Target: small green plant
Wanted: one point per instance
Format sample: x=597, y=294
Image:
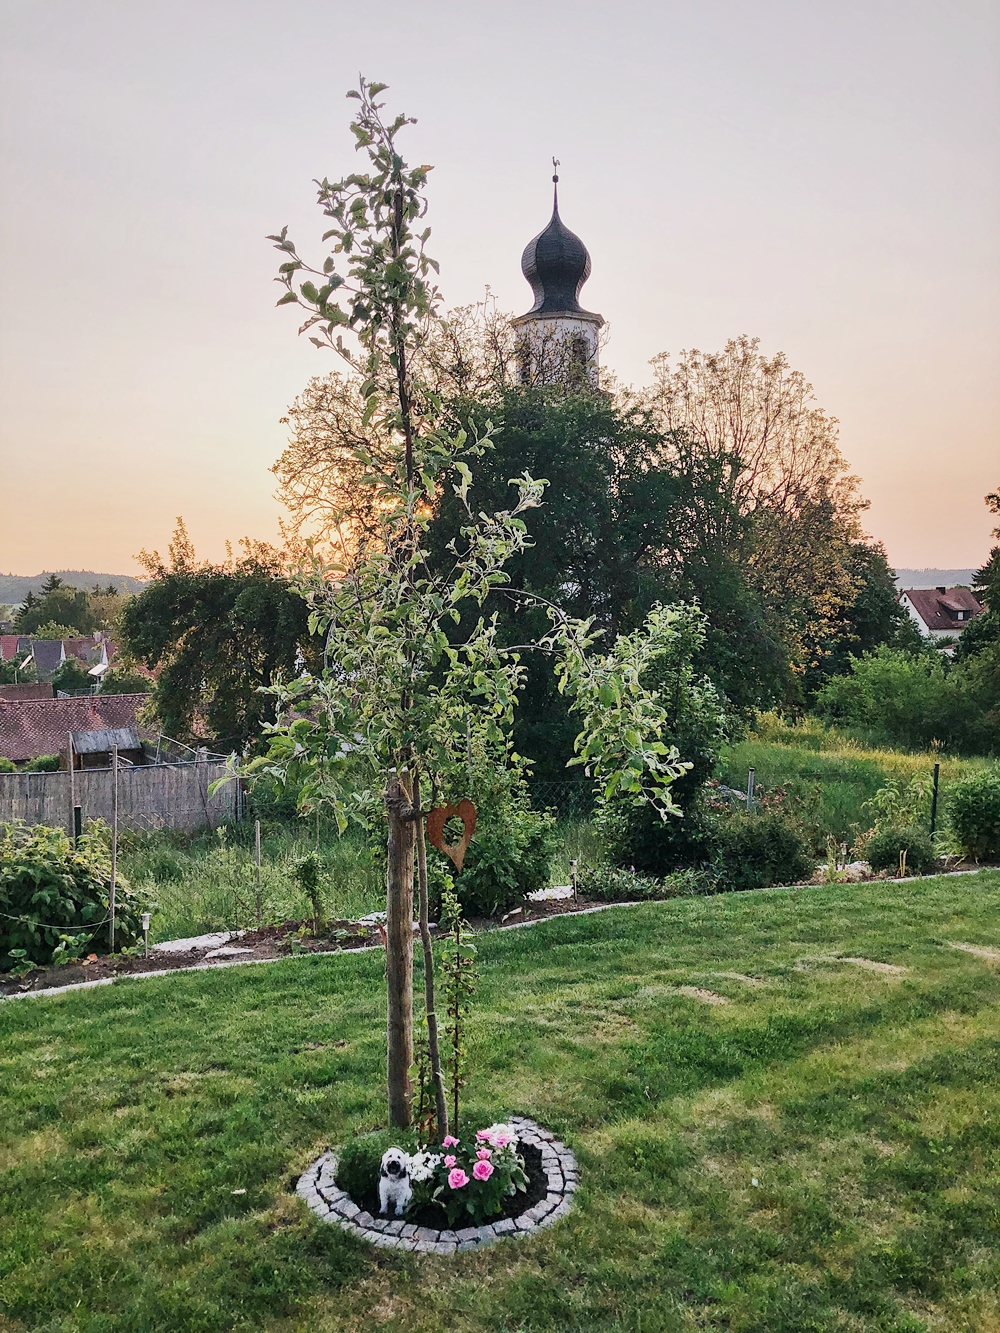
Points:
x=894, y=806
x=886, y=846
x=974, y=813
x=307, y=875
x=458, y=982
x=613, y=884
x=7, y=765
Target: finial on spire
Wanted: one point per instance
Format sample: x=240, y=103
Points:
x=555, y=184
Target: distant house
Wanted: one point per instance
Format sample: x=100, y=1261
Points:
x=33, y=727
x=940, y=613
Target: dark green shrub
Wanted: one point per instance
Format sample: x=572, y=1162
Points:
x=883, y=848
x=613, y=884
x=754, y=851
x=45, y=763
x=974, y=813
x=48, y=888
x=7, y=765
x=359, y=1160
x=636, y=836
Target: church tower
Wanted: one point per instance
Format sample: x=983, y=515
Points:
x=557, y=338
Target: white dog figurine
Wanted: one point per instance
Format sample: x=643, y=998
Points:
x=394, y=1181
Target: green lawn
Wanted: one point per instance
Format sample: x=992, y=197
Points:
x=864, y=1101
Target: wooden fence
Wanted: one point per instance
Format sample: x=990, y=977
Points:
x=150, y=796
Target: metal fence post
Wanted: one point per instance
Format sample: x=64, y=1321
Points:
x=750, y=785
x=114, y=840
x=256, y=857
x=72, y=790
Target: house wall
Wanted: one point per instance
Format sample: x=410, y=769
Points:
x=154, y=796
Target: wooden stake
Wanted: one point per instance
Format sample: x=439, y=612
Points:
x=437, y=1073
x=399, y=944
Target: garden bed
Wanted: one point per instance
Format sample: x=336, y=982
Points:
x=552, y=1180
x=271, y=942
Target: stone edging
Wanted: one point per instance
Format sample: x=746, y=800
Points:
x=317, y=1186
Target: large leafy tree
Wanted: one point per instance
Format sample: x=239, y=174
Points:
x=214, y=636
x=623, y=526
x=60, y=604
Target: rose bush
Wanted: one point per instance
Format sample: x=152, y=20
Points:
x=469, y=1179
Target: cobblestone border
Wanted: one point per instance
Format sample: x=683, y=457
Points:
x=318, y=1187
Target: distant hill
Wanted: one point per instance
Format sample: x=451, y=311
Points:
x=933, y=578
x=15, y=587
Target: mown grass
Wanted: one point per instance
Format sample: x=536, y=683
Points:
x=865, y=1103
x=831, y=775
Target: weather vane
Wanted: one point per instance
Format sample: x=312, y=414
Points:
x=555, y=168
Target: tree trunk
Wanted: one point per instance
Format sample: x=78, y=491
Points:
x=399, y=945
x=437, y=1074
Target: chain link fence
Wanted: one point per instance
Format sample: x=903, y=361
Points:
x=568, y=799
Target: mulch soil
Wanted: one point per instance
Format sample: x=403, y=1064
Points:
x=282, y=941
x=433, y=1216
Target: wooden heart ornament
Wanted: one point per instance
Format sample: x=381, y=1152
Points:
x=436, y=820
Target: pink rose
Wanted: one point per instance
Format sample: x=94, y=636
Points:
x=449, y=1160
x=449, y=1142
x=482, y=1153
x=483, y=1135
x=458, y=1178
x=483, y=1169
x=501, y=1140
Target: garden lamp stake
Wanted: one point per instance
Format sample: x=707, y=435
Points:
x=572, y=875
x=145, y=931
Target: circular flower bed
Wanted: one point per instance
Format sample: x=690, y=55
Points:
x=318, y=1187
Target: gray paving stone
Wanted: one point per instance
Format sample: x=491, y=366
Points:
x=424, y=1246
x=523, y=1224
x=378, y=1224
x=444, y=1247
x=426, y=1234
x=348, y=1208
x=394, y=1228
x=408, y=1230
x=466, y=1233
x=467, y=1245
x=504, y=1227
x=364, y=1219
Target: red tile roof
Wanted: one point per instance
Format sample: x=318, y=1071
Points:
x=933, y=604
x=8, y=646
x=32, y=727
x=41, y=690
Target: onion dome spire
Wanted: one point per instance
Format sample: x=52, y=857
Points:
x=556, y=264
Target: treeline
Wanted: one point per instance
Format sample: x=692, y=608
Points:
x=720, y=484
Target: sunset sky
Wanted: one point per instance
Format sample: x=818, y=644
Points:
x=823, y=176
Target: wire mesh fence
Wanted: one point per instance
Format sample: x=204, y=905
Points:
x=568, y=799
